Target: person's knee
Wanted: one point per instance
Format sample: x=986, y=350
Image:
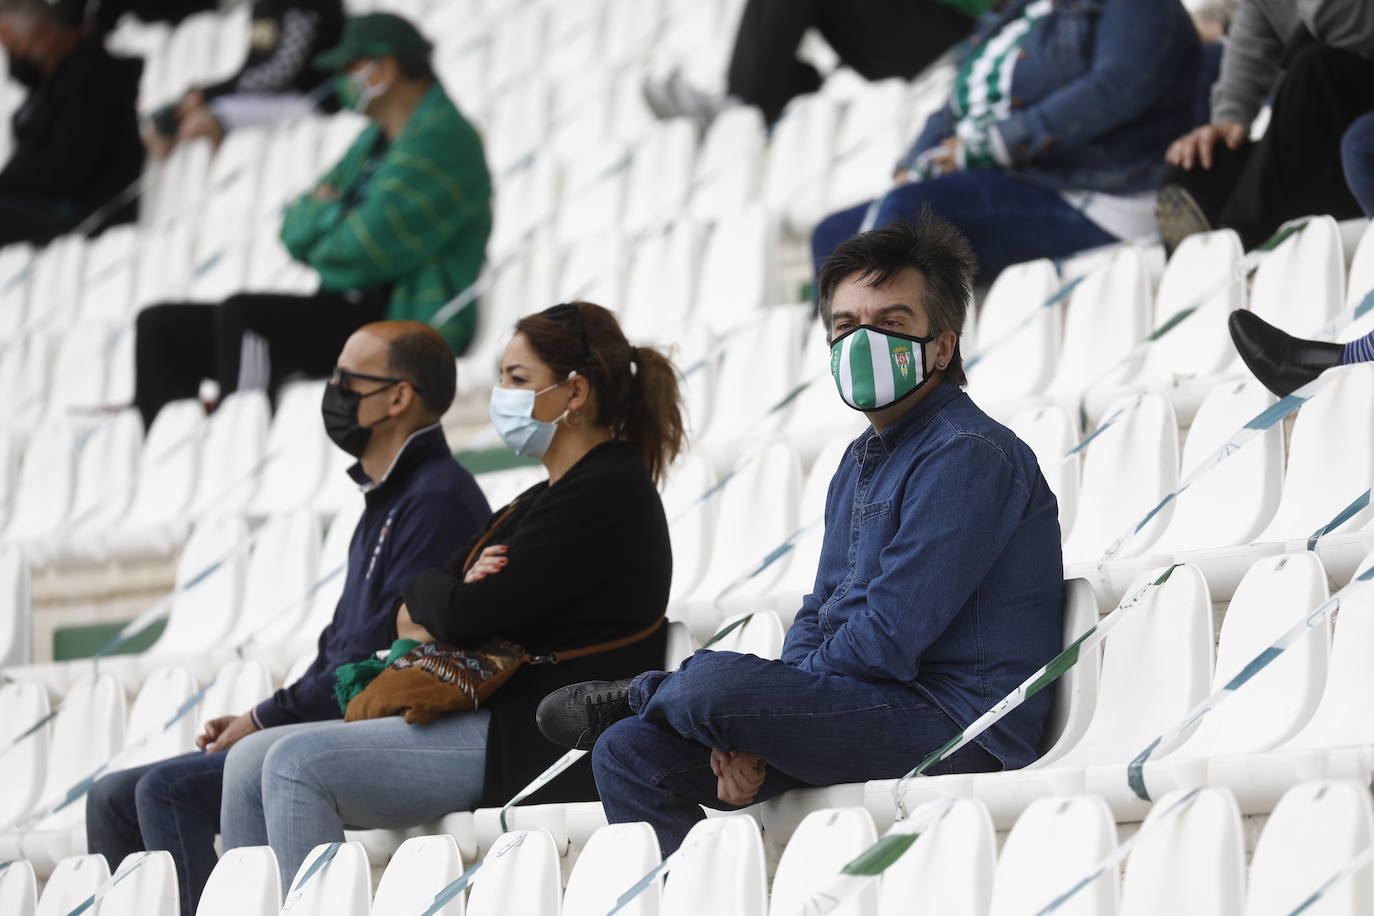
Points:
x=833, y=230
x=154, y=789
x=1357, y=144
x=622, y=750
x=109, y=796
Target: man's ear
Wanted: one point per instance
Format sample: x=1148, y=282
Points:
x=402, y=396
x=944, y=349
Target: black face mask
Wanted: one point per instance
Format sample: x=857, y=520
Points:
x=340, y=410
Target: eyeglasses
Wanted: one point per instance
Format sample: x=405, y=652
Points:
x=566, y=310
x=341, y=375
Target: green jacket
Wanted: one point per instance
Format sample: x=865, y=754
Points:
x=419, y=220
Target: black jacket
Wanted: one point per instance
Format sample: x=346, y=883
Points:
x=76, y=140
x=590, y=562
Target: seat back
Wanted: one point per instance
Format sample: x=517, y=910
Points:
x=949, y=868
x=145, y=884
x=817, y=415
x=690, y=520
x=798, y=161
x=152, y=734
x=758, y=370
x=1051, y=431
x=1156, y=665
x=107, y=472
x=1231, y=506
x=44, y=493
x=18, y=889
x=614, y=859
x=1075, y=693
x=729, y=165
x=660, y=176
x=281, y=570
x=340, y=885
x=421, y=867
x=238, y=687
x=301, y=451
x=1018, y=357
x=1330, y=458
x=823, y=844
x=22, y=766
x=723, y=873
x=1343, y=717
x=1193, y=862
x=333, y=562
x=1300, y=284
x=246, y=882
x=1127, y=469
x=1203, y=263
x=758, y=633
x=1278, y=701
x=170, y=463
x=1108, y=313
x=16, y=611
x=519, y=875
x=234, y=455
x=210, y=574
x=1315, y=828
x=736, y=268
x=87, y=733
x=71, y=882
x=1056, y=842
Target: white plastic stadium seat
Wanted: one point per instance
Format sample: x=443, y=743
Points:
x=238, y=687
x=1051, y=432
x=1192, y=863
x=759, y=633
x=736, y=270
x=145, y=884
x=301, y=448
x=724, y=872
x=167, y=476
x=817, y=414
x=661, y=285
x=16, y=612
x=281, y=571
x=824, y=843
x=72, y=881
x=18, y=889
x=1016, y=356
x=1300, y=284
x=421, y=868
x=245, y=882
x=689, y=520
x=154, y=731
x=519, y=875
x=614, y=859
x=949, y=868
x=44, y=492
x=234, y=455
x=1273, y=706
x=1330, y=462
x=22, y=765
x=342, y=886
x=799, y=159
x=1316, y=828
x=88, y=731
x=106, y=477
x=661, y=176
x=1053, y=845
x=729, y=166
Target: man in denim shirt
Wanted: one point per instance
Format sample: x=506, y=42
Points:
x=939, y=587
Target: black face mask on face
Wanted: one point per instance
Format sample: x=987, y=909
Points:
x=339, y=408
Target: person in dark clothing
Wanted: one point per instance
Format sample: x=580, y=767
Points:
x=394, y=380
x=575, y=561
x=76, y=147
x=1320, y=53
x=104, y=15
x=938, y=590
x=876, y=38
x=278, y=79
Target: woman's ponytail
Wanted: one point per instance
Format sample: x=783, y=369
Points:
x=653, y=411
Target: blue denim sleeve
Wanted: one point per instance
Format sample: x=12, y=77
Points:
x=938, y=126
x=955, y=518
x=1137, y=47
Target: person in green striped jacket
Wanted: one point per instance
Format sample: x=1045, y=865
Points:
x=395, y=230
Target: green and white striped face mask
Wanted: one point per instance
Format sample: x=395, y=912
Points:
x=874, y=369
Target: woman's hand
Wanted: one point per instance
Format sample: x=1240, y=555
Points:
x=491, y=561
x=1195, y=147
x=739, y=775
x=409, y=629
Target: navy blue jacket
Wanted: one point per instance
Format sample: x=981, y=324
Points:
x=940, y=569
x=1101, y=88
x=422, y=510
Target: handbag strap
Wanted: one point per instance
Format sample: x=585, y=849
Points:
x=553, y=658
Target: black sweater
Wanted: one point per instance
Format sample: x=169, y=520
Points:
x=590, y=562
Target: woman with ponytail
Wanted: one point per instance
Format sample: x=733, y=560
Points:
x=580, y=561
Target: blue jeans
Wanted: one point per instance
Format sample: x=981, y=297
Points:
x=1007, y=220
x=297, y=786
x=172, y=805
x=811, y=729
x=1357, y=161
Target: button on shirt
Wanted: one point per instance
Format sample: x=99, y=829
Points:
x=940, y=569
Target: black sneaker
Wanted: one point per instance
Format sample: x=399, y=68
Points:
x=576, y=715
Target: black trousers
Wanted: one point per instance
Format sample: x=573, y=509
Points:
x=1295, y=170
x=177, y=346
x=876, y=38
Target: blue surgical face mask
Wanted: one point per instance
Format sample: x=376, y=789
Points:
x=512, y=413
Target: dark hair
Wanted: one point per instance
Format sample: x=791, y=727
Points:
x=424, y=359
x=637, y=394
x=932, y=246
x=415, y=68
x=36, y=11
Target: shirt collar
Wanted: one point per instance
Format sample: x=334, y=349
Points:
x=913, y=420
x=418, y=446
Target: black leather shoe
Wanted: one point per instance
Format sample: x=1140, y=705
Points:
x=1283, y=363
x=576, y=715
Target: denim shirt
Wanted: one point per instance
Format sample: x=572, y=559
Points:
x=1100, y=89
x=940, y=569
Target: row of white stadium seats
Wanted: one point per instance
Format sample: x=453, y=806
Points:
x=1061, y=856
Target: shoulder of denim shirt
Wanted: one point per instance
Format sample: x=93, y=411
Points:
x=964, y=423
x=916, y=419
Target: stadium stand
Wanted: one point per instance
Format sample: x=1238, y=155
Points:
x=1115, y=367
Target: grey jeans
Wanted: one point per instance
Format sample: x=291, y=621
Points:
x=297, y=786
